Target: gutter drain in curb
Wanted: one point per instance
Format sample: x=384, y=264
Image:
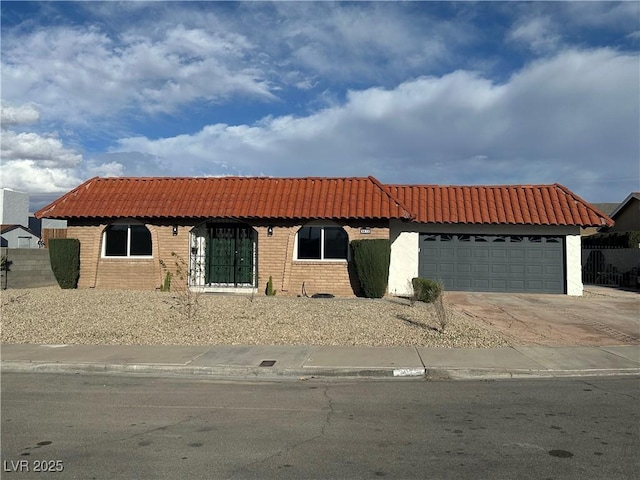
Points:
x=267, y=363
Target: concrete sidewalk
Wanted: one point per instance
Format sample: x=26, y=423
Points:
x=317, y=361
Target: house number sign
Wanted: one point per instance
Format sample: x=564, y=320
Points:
x=365, y=231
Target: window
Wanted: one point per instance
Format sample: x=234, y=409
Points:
x=322, y=243
x=127, y=241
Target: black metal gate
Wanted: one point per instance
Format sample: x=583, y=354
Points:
x=230, y=255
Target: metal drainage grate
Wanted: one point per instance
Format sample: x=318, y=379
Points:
x=267, y=363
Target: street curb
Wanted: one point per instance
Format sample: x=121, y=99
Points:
x=219, y=371
x=429, y=374
x=502, y=374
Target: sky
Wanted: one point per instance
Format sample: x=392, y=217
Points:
x=409, y=92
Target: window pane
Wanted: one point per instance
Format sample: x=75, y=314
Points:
x=336, y=243
x=116, y=241
x=309, y=243
x=140, y=240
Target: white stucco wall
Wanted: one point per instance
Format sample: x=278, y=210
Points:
x=404, y=262
x=573, y=257
x=14, y=207
x=405, y=242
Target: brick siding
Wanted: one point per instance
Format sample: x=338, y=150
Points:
x=275, y=259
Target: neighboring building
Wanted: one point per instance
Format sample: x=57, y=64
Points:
x=627, y=214
x=232, y=234
x=14, y=208
x=14, y=221
x=605, y=208
x=17, y=236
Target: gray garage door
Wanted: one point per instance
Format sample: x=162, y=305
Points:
x=494, y=263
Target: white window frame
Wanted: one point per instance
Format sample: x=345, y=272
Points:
x=128, y=256
x=322, y=226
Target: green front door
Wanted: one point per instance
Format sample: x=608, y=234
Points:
x=230, y=255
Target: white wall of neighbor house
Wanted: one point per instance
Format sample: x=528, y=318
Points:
x=20, y=238
x=14, y=207
x=405, y=239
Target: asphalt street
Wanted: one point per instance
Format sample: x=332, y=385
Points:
x=116, y=426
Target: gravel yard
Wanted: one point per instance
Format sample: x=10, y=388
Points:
x=54, y=316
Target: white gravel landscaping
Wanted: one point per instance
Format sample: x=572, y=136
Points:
x=54, y=316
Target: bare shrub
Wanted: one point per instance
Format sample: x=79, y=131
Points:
x=442, y=309
x=186, y=299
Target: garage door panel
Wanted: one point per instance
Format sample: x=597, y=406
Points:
x=553, y=255
x=448, y=252
x=463, y=268
x=553, y=270
x=494, y=263
x=480, y=268
x=499, y=284
x=516, y=269
x=446, y=268
x=499, y=253
x=534, y=269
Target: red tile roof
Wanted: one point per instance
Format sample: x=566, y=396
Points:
x=227, y=197
x=507, y=204
x=323, y=198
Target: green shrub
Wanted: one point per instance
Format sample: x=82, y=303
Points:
x=371, y=260
x=426, y=290
x=64, y=254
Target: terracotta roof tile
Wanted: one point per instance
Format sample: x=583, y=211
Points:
x=323, y=198
x=508, y=204
x=227, y=197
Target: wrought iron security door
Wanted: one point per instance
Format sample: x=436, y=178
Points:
x=230, y=255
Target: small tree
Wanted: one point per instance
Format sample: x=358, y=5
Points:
x=64, y=255
x=371, y=259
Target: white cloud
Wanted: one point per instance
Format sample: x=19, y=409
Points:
x=557, y=120
x=410, y=115
x=33, y=177
x=538, y=33
x=177, y=56
x=23, y=114
x=83, y=72
x=611, y=15
x=33, y=163
x=348, y=42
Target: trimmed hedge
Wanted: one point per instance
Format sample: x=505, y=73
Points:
x=64, y=254
x=426, y=290
x=614, y=239
x=371, y=260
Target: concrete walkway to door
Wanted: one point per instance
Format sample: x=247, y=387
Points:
x=603, y=316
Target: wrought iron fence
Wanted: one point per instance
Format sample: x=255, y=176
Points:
x=611, y=266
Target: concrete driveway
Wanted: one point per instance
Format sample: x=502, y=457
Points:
x=603, y=316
